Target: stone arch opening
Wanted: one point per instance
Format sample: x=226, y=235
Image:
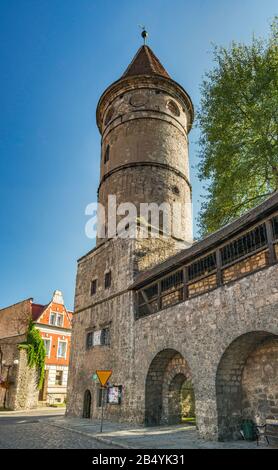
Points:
x=166, y=390
x=246, y=380
x=87, y=404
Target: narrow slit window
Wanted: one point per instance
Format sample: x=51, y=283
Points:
x=107, y=154
x=93, y=287
x=107, y=280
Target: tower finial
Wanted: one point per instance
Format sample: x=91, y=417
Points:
x=144, y=34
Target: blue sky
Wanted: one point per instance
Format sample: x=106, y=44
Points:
x=56, y=58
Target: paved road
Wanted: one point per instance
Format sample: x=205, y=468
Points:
x=27, y=432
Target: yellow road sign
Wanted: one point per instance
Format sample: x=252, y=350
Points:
x=103, y=376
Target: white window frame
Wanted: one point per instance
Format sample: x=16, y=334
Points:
x=52, y=313
x=56, y=319
x=66, y=350
x=62, y=322
x=50, y=341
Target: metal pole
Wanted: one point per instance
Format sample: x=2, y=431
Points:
x=102, y=408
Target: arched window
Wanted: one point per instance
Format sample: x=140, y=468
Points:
x=107, y=154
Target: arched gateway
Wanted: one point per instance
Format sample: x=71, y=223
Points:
x=247, y=382
x=169, y=394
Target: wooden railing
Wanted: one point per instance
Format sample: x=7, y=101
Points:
x=250, y=251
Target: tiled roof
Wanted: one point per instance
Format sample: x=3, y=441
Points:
x=145, y=62
x=250, y=217
x=37, y=310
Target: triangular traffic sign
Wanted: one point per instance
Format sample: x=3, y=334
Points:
x=103, y=376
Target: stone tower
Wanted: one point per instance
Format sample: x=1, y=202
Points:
x=144, y=119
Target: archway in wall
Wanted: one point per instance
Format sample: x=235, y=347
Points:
x=87, y=404
x=169, y=395
x=246, y=380
x=181, y=400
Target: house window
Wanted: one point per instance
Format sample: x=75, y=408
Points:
x=107, y=154
x=89, y=340
x=107, y=280
x=56, y=319
x=62, y=349
x=93, y=287
x=47, y=346
x=59, y=377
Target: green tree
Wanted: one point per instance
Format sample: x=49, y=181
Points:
x=238, y=120
x=35, y=351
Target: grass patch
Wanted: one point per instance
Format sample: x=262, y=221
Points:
x=191, y=420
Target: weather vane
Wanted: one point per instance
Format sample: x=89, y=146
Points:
x=144, y=33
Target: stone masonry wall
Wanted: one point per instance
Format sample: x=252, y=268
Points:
x=113, y=308
x=144, y=125
x=14, y=319
x=201, y=329
x=260, y=382
x=22, y=392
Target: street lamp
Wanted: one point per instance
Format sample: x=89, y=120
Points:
x=4, y=364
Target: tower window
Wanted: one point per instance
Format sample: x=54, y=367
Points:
x=107, y=154
x=107, y=280
x=173, y=108
x=105, y=337
x=89, y=340
x=176, y=190
x=93, y=287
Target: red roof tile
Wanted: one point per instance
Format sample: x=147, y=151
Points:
x=145, y=62
x=37, y=310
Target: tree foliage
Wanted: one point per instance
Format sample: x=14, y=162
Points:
x=35, y=351
x=238, y=120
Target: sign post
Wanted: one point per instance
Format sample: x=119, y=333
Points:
x=103, y=377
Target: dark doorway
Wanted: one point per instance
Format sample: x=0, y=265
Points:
x=87, y=404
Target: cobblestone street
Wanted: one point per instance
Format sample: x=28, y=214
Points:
x=47, y=429
x=27, y=432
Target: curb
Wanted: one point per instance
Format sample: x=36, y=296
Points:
x=93, y=436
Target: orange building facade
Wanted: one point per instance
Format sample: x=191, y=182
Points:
x=54, y=323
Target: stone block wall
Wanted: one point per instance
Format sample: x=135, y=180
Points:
x=26, y=393
x=260, y=382
x=202, y=329
x=22, y=392
x=15, y=319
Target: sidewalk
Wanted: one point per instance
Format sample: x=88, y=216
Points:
x=46, y=410
x=139, y=437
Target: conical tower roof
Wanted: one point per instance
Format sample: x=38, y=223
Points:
x=145, y=62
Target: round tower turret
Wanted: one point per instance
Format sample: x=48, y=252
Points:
x=144, y=119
